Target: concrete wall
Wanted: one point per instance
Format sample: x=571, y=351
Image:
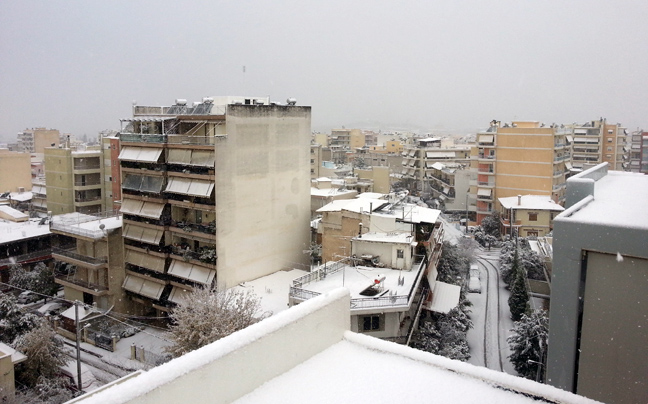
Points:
x=571, y=276
x=15, y=171
x=7, y=378
x=59, y=180
x=262, y=192
x=238, y=364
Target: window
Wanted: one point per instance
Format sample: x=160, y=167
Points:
x=374, y=322
x=400, y=254
x=609, y=148
x=533, y=216
x=609, y=140
x=312, y=161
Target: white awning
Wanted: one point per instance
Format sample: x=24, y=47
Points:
x=404, y=162
x=586, y=140
x=152, y=210
x=438, y=166
x=445, y=297
x=192, y=272
x=203, y=158
x=188, y=186
x=143, y=286
x=140, y=233
x=439, y=154
x=568, y=165
x=446, y=190
x=405, y=171
x=42, y=203
x=570, y=139
x=412, y=152
x=143, y=260
x=39, y=189
x=131, y=206
x=484, y=192
x=179, y=156
x=442, y=197
x=178, y=295
x=144, y=154
x=580, y=131
x=486, y=139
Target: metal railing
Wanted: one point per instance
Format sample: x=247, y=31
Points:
x=169, y=139
x=72, y=254
x=44, y=254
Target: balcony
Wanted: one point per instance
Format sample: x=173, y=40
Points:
x=72, y=257
x=170, y=139
x=485, y=170
x=183, y=227
x=72, y=282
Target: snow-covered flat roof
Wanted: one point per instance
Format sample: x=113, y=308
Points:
x=13, y=213
x=535, y=202
x=360, y=369
x=21, y=196
x=358, y=278
x=14, y=231
x=330, y=192
x=86, y=225
x=272, y=289
x=371, y=195
x=353, y=205
x=620, y=200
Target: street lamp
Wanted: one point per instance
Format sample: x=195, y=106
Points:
x=539, y=367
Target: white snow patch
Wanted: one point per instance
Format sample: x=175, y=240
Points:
x=619, y=257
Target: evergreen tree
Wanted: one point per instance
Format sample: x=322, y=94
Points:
x=528, y=343
x=509, y=272
x=519, y=299
x=13, y=322
x=45, y=354
x=208, y=315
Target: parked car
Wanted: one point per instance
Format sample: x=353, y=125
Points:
x=27, y=297
x=474, y=285
x=474, y=271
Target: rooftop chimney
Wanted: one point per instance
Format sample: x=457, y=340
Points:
x=519, y=200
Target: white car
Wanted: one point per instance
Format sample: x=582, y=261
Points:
x=51, y=309
x=27, y=297
x=474, y=285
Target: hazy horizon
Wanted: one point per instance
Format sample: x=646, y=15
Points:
x=437, y=66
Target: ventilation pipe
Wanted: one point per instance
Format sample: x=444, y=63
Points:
x=519, y=200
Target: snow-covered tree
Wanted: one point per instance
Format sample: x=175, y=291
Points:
x=519, y=299
x=46, y=391
x=13, y=321
x=528, y=343
x=452, y=264
x=39, y=280
x=209, y=315
x=445, y=334
x=491, y=224
x=45, y=354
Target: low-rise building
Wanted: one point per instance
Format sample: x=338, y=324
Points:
x=23, y=242
x=528, y=215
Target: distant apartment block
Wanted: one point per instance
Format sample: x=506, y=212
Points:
x=596, y=142
x=22, y=241
x=213, y=194
x=348, y=139
x=35, y=140
x=520, y=158
x=112, y=175
x=637, y=152
x=15, y=171
x=74, y=179
x=39, y=197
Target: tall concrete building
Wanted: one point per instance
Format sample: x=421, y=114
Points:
x=521, y=158
x=74, y=179
x=35, y=140
x=636, y=152
x=213, y=194
x=597, y=142
x=598, y=327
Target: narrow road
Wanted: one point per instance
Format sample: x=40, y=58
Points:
x=490, y=286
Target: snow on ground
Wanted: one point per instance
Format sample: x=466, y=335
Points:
x=273, y=289
x=452, y=231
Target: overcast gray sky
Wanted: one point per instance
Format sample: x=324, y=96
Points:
x=77, y=66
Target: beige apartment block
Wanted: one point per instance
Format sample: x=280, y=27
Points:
x=213, y=195
x=90, y=247
x=521, y=158
x=530, y=215
x=35, y=140
x=15, y=171
x=634, y=148
x=315, y=160
x=347, y=138
x=595, y=142
x=74, y=180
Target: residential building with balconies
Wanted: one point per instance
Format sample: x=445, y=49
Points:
x=90, y=259
x=74, y=179
x=635, y=150
x=213, y=195
x=520, y=158
x=35, y=140
x=388, y=256
x=23, y=241
x=39, y=196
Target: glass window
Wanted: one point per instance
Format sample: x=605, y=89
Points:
x=400, y=254
x=533, y=216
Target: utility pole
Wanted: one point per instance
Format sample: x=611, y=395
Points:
x=466, y=214
x=78, y=344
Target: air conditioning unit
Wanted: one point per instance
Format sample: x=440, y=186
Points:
x=21, y=190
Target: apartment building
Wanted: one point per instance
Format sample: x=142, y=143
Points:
x=213, y=194
x=596, y=142
x=644, y=153
x=315, y=160
x=389, y=264
x=22, y=241
x=90, y=259
x=74, y=179
x=15, y=171
x=635, y=151
x=39, y=197
x=420, y=156
x=348, y=139
x=597, y=324
x=520, y=158
x=449, y=185
x=112, y=176
x=35, y=140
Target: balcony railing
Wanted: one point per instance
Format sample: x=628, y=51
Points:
x=73, y=255
x=89, y=287
x=86, y=183
x=187, y=227
x=87, y=166
x=169, y=139
x=87, y=198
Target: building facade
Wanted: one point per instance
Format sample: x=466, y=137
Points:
x=15, y=169
x=35, y=140
x=213, y=195
x=597, y=325
x=518, y=159
x=528, y=215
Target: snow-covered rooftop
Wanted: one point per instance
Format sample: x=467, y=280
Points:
x=371, y=195
x=619, y=200
x=14, y=231
x=86, y=225
x=12, y=213
x=21, y=196
x=331, y=192
x=353, y=205
x=272, y=289
x=535, y=202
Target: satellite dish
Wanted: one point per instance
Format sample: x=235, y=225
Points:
x=102, y=226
